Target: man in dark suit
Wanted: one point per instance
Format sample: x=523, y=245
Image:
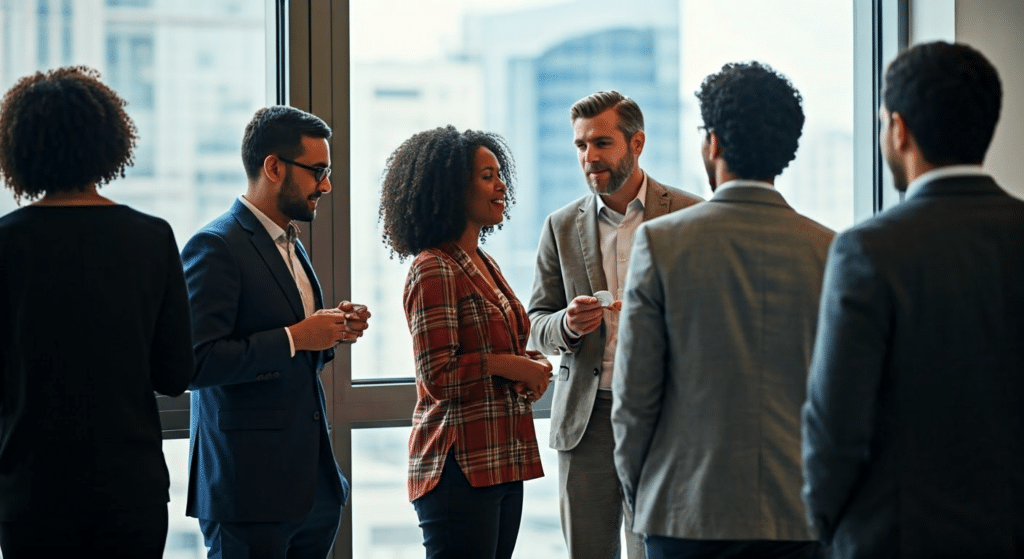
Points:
x=584, y=249
x=717, y=328
x=263, y=481
x=913, y=430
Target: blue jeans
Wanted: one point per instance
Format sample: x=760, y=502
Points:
x=460, y=521
x=661, y=547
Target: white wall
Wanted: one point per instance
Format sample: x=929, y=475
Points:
x=996, y=28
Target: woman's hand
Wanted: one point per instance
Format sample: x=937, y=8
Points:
x=531, y=372
x=536, y=377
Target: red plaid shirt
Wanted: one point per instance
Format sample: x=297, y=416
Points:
x=456, y=319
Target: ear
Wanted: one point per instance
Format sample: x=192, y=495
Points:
x=636, y=143
x=273, y=169
x=900, y=132
x=715, y=148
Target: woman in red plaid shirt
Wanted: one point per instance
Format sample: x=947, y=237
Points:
x=472, y=441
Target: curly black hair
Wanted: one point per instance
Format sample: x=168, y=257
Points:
x=61, y=131
x=950, y=97
x=425, y=184
x=757, y=115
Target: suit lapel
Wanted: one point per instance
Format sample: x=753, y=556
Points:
x=589, y=240
x=271, y=256
x=657, y=202
x=474, y=274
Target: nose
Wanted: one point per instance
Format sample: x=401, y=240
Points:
x=589, y=155
x=325, y=185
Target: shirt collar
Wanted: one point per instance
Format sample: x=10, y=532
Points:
x=641, y=195
x=745, y=182
x=274, y=230
x=944, y=173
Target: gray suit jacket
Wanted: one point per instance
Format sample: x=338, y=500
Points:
x=913, y=430
x=715, y=337
x=569, y=265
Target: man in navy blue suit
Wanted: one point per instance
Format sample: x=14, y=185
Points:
x=263, y=481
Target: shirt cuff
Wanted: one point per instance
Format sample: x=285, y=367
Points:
x=291, y=342
x=571, y=338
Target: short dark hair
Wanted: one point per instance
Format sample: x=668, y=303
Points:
x=631, y=119
x=63, y=130
x=949, y=95
x=757, y=115
x=426, y=181
x=278, y=130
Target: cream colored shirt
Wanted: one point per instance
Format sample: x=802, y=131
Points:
x=616, y=232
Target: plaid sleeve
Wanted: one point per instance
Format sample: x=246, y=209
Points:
x=443, y=368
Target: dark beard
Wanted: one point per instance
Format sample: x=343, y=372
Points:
x=291, y=202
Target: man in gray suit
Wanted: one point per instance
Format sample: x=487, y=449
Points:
x=584, y=249
x=913, y=427
x=717, y=326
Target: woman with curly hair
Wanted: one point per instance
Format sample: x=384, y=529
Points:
x=93, y=319
x=472, y=441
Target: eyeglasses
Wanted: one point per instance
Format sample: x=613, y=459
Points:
x=704, y=131
x=319, y=173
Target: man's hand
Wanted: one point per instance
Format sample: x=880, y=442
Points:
x=320, y=331
x=356, y=317
x=583, y=315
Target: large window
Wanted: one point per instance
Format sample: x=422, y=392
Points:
x=516, y=71
x=193, y=73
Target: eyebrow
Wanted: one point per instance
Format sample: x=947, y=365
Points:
x=593, y=139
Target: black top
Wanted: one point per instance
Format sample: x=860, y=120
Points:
x=93, y=318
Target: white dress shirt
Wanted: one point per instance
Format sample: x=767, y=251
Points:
x=944, y=172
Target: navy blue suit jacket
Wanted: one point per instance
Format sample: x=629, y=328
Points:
x=913, y=435
x=258, y=417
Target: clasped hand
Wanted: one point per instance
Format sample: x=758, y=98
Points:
x=537, y=377
x=328, y=327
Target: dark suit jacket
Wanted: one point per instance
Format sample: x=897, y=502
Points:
x=569, y=265
x=258, y=418
x=913, y=431
x=93, y=319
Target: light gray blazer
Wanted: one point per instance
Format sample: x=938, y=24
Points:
x=569, y=265
x=715, y=338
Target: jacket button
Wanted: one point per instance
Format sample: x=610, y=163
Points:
x=596, y=372
x=316, y=415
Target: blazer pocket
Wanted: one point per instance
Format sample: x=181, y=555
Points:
x=235, y=420
x=563, y=372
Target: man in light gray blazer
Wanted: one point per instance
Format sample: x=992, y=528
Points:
x=716, y=333
x=584, y=249
x=913, y=429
